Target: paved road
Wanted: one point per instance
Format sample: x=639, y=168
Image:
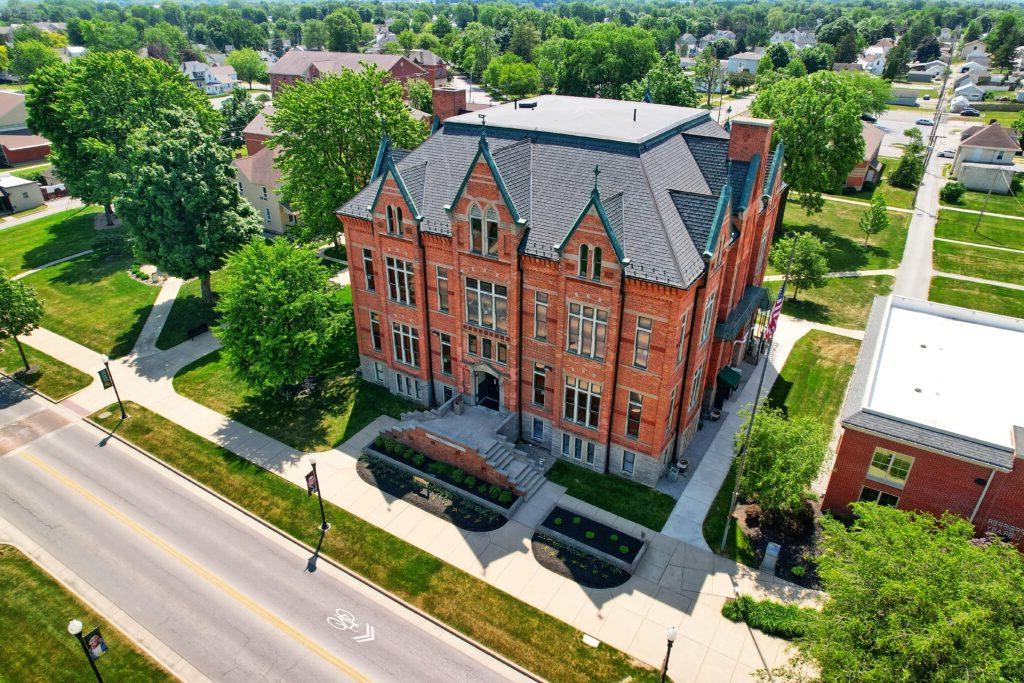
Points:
x=228, y=595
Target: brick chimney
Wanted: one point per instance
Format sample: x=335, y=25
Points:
x=748, y=137
x=448, y=102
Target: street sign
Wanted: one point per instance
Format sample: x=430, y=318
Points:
x=312, y=485
x=95, y=644
x=105, y=378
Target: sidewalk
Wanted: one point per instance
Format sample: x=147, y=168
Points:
x=839, y=273
x=676, y=584
x=55, y=206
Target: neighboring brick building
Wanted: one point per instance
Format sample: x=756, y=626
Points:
x=257, y=132
x=867, y=170
x=589, y=265
x=308, y=65
x=934, y=417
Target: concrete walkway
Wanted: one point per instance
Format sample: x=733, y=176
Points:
x=677, y=583
x=982, y=246
x=838, y=273
x=52, y=263
x=981, y=281
x=146, y=342
x=961, y=209
x=858, y=202
x=55, y=206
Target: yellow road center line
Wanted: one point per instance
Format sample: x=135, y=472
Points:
x=199, y=570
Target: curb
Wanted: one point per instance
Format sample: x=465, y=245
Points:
x=327, y=558
x=33, y=389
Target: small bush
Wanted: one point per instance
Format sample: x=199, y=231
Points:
x=558, y=521
x=773, y=618
x=590, y=535
x=482, y=489
x=799, y=570
x=493, y=492
x=417, y=459
x=469, y=482
x=624, y=549
x=436, y=468
x=505, y=498
x=576, y=520
x=952, y=192
x=457, y=475
x=378, y=443
x=408, y=453
x=614, y=537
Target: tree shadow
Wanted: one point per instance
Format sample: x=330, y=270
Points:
x=813, y=311
x=842, y=253
x=779, y=393
x=64, y=238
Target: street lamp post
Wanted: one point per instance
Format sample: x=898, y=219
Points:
x=110, y=376
x=75, y=629
x=324, y=526
x=670, y=637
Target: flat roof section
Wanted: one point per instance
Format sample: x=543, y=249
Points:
x=950, y=369
x=587, y=117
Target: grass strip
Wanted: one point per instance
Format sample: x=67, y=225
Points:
x=768, y=616
x=56, y=379
x=32, y=244
x=988, y=264
x=37, y=646
x=628, y=499
x=981, y=297
x=737, y=545
x=524, y=634
x=843, y=302
x=991, y=230
x=813, y=379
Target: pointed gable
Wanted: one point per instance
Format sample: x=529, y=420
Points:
x=484, y=152
x=597, y=206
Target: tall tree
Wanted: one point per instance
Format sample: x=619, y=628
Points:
x=667, y=83
x=896, y=62
x=29, y=56
x=329, y=132
x=910, y=170
x=88, y=107
x=875, y=219
x=512, y=77
x=315, y=34
x=928, y=49
x=605, y=59
x=915, y=598
x=280, y=314
x=238, y=110
x=818, y=117
x=708, y=72
x=180, y=202
x=248, y=65
x=809, y=269
x=421, y=94
x=20, y=311
x=1003, y=40
x=343, y=29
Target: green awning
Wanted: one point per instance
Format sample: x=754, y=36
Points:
x=730, y=376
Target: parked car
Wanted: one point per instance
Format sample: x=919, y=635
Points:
x=923, y=122
x=869, y=118
x=947, y=154
x=970, y=111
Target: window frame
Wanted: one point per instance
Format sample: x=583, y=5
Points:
x=445, y=343
x=681, y=346
x=401, y=279
x=376, y=335
x=475, y=296
x=877, y=497
x=540, y=316
x=491, y=234
x=706, y=323
x=581, y=403
x=632, y=463
x=642, y=353
x=634, y=414
x=442, y=289
x=695, y=391
x=884, y=475
x=405, y=344
x=542, y=386
x=369, y=277
x=577, y=330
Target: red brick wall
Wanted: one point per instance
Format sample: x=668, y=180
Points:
x=448, y=102
x=404, y=69
x=20, y=156
x=467, y=459
x=278, y=81
x=254, y=142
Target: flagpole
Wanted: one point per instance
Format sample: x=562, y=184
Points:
x=753, y=412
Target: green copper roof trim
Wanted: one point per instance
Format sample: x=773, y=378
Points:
x=435, y=124
x=389, y=167
x=483, y=149
x=721, y=214
x=748, y=185
x=780, y=151
x=383, y=150
x=595, y=201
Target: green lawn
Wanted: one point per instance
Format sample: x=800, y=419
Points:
x=343, y=405
x=1005, y=118
x=30, y=245
x=93, y=301
x=619, y=496
x=533, y=639
x=988, y=264
x=55, y=379
x=993, y=231
x=894, y=196
x=30, y=172
x=737, y=545
x=991, y=298
x=814, y=377
x=997, y=203
x=188, y=311
x=844, y=302
x=37, y=646
x=837, y=225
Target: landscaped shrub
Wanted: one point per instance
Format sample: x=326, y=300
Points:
x=558, y=521
x=482, y=489
x=469, y=482
x=493, y=491
x=590, y=535
x=952, y=192
x=614, y=537
x=576, y=520
x=505, y=498
x=436, y=468
x=109, y=244
x=457, y=475
x=773, y=618
x=624, y=549
x=417, y=459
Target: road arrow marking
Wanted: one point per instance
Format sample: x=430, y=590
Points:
x=366, y=637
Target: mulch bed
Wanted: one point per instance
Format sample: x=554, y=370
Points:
x=463, y=513
x=798, y=538
x=605, y=539
x=574, y=564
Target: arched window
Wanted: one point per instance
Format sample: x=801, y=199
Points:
x=391, y=220
x=398, y=228
x=492, y=232
x=597, y=263
x=584, y=261
x=476, y=229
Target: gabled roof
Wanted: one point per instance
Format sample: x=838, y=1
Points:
x=9, y=101
x=259, y=125
x=297, y=62
x=11, y=141
x=606, y=221
x=259, y=168
x=872, y=135
x=992, y=136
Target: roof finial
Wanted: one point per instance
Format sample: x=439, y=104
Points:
x=597, y=172
x=483, y=125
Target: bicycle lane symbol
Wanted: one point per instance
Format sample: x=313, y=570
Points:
x=344, y=620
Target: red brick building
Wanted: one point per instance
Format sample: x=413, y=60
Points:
x=591, y=266
x=308, y=65
x=934, y=417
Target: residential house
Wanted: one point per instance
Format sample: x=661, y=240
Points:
x=257, y=132
x=978, y=71
x=306, y=65
x=69, y=52
x=585, y=271
x=970, y=91
x=974, y=51
x=18, y=194
x=799, y=37
x=925, y=71
x=686, y=45
x=869, y=169
x=13, y=115
x=436, y=68
x=964, y=79
x=744, y=61
x=936, y=442
x=381, y=39
x=905, y=97
x=959, y=103
x=984, y=159
x=872, y=60
x=945, y=36
x=715, y=36
x=257, y=179
x=213, y=80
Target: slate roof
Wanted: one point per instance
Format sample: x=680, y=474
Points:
x=660, y=196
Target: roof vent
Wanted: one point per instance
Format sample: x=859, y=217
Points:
x=527, y=105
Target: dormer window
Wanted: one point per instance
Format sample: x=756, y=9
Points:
x=390, y=212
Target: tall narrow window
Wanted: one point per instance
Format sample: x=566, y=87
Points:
x=492, y=232
x=375, y=330
x=263, y=193
x=476, y=229
x=634, y=409
x=642, y=346
x=446, y=354
x=681, y=347
x=628, y=459
x=540, y=378
x=761, y=251
x=502, y=353
x=371, y=283
x=442, y=289
x=398, y=220
x=584, y=260
x=709, y=318
x=540, y=316
x=406, y=343
x=671, y=412
x=697, y=387
x=597, y=263
x=400, y=281
x=390, y=213
x=588, y=328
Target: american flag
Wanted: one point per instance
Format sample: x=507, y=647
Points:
x=773, y=318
